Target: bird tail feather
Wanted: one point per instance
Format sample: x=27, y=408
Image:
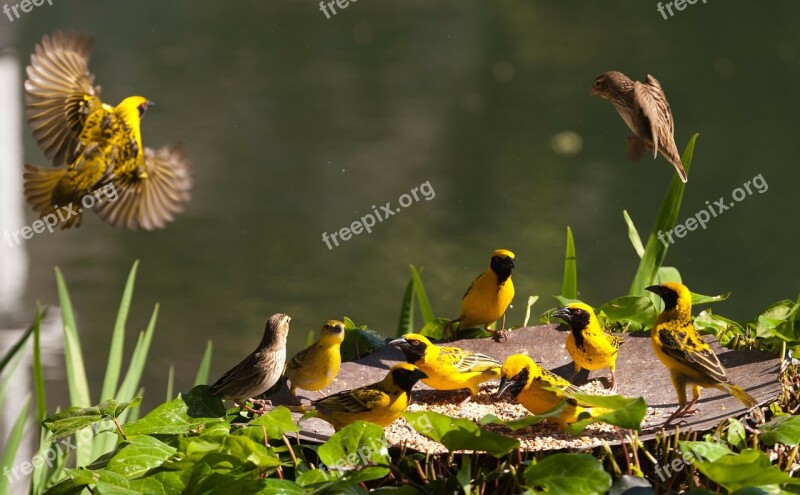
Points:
x=742, y=396
x=39, y=184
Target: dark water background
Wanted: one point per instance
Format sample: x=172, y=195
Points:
x=298, y=124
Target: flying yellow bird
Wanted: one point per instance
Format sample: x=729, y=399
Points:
x=380, y=403
x=489, y=295
x=315, y=367
x=588, y=344
x=96, y=148
x=685, y=354
x=540, y=391
x=447, y=368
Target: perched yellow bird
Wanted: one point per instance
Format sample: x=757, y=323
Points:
x=689, y=359
x=315, y=367
x=489, y=295
x=380, y=403
x=528, y=383
x=588, y=344
x=447, y=368
x=95, y=148
x=262, y=369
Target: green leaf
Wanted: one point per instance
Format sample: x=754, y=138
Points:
x=277, y=422
x=750, y=468
x=205, y=364
x=459, y=434
x=114, y=366
x=422, y=296
x=638, y=309
x=38, y=371
x=139, y=455
x=576, y=474
x=569, y=286
x=358, y=341
x=12, y=444
x=783, y=429
x=357, y=444
x=737, y=435
x=633, y=234
x=74, y=419
x=701, y=299
x=133, y=376
x=170, y=383
x=708, y=451
x=615, y=410
x=162, y=483
x=435, y=329
x=656, y=250
x=405, y=323
x=76, y=373
x=15, y=349
x=516, y=424
x=189, y=412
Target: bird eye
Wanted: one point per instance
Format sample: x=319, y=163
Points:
x=597, y=83
x=414, y=342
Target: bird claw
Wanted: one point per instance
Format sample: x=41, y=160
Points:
x=499, y=335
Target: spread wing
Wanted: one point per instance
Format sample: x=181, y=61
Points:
x=59, y=93
x=153, y=196
x=692, y=352
x=465, y=361
x=360, y=400
x=654, y=105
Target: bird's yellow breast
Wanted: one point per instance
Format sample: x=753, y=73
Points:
x=486, y=301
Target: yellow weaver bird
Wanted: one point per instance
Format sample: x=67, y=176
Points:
x=93, y=145
x=528, y=383
x=380, y=403
x=315, y=367
x=489, y=295
x=588, y=344
x=687, y=357
x=447, y=368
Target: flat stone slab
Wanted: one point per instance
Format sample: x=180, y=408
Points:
x=639, y=374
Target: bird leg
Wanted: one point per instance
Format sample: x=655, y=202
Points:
x=247, y=408
x=448, y=331
x=499, y=335
x=613, y=382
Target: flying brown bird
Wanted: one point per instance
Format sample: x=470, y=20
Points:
x=262, y=369
x=644, y=107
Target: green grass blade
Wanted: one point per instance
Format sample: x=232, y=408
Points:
x=633, y=234
x=76, y=373
x=531, y=301
x=114, y=366
x=170, y=383
x=12, y=366
x=656, y=251
x=12, y=445
x=406, y=322
x=38, y=374
x=130, y=384
x=16, y=347
x=569, y=288
x=422, y=297
x=205, y=365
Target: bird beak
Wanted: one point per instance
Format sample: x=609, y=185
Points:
x=655, y=289
x=504, y=384
x=563, y=313
x=594, y=91
x=400, y=343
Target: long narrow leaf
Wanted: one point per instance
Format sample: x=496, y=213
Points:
x=114, y=366
x=170, y=383
x=76, y=373
x=38, y=374
x=422, y=297
x=130, y=384
x=656, y=250
x=205, y=364
x=12, y=444
x=569, y=287
x=633, y=234
x=16, y=347
x=12, y=366
x=406, y=322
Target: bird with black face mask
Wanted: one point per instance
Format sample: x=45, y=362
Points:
x=686, y=355
x=589, y=345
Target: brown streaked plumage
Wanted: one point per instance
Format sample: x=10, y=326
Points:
x=262, y=369
x=644, y=107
